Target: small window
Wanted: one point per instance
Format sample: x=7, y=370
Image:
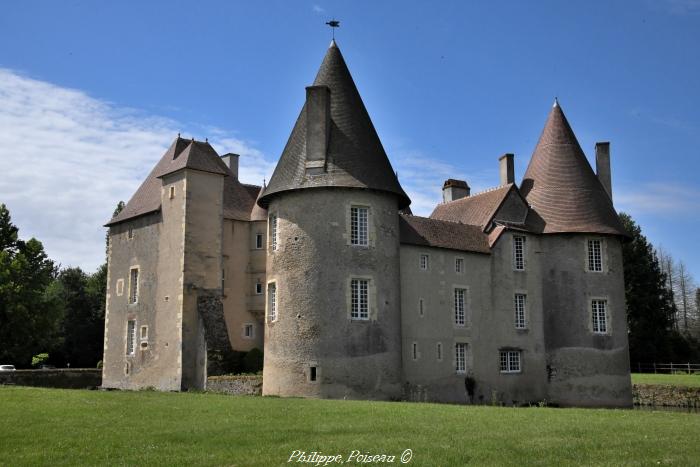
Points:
x=130, y=233
x=520, y=300
x=134, y=286
x=359, y=299
x=461, y=358
x=519, y=253
x=172, y=192
x=510, y=361
x=223, y=279
x=144, y=333
x=421, y=310
x=460, y=308
x=248, y=331
x=120, y=287
x=273, y=231
x=272, y=302
x=424, y=262
x=312, y=373
x=438, y=350
x=130, y=336
x=258, y=288
x=600, y=316
x=359, y=225
x=415, y=351
x=258, y=241
x=459, y=265
x=595, y=256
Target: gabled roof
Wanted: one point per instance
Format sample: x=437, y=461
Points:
x=423, y=231
x=477, y=209
x=355, y=156
x=561, y=187
x=239, y=199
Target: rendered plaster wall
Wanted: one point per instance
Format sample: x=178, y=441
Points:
x=312, y=268
x=584, y=368
x=429, y=376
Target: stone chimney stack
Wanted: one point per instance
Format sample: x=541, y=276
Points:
x=318, y=127
x=454, y=189
x=231, y=161
x=507, y=168
x=602, y=166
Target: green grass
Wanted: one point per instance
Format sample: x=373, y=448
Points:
x=70, y=427
x=666, y=380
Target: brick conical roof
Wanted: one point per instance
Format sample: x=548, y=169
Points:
x=355, y=156
x=561, y=187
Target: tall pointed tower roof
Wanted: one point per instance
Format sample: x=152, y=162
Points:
x=355, y=156
x=561, y=187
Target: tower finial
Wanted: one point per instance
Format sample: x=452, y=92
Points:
x=556, y=102
x=333, y=24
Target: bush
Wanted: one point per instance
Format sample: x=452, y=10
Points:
x=39, y=359
x=253, y=361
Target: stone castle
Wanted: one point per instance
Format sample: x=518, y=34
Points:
x=513, y=295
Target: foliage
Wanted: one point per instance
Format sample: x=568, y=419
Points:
x=39, y=359
x=253, y=361
x=76, y=427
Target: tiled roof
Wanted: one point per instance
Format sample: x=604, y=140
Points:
x=561, y=187
x=477, y=209
x=355, y=156
x=239, y=199
x=423, y=231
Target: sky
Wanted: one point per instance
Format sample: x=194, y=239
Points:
x=92, y=93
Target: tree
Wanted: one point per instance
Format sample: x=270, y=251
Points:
x=8, y=232
x=650, y=306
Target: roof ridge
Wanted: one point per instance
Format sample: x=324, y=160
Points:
x=483, y=192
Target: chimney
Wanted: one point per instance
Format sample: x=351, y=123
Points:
x=318, y=119
x=231, y=161
x=454, y=189
x=602, y=166
x=507, y=168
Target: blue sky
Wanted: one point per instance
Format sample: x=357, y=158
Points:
x=91, y=93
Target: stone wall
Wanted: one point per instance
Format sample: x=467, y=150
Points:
x=666, y=396
x=78, y=378
x=240, y=385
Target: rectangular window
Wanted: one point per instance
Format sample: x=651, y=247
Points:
x=595, y=256
x=248, y=331
x=519, y=253
x=415, y=351
x=510, y=361
x=600, y=317
x=144, y=333
x=223, y=279
x=460, y=299
x=130, y=336
x=459, y=265
x=172, y=192
x=258, y=288
x=312, y=373
x=461, y=358
x=258, y=241
x=424, y=262
x=273, y=231
x=120, y=287
x=359, y=225
x=134, y=286
x=359, y=298
x=420, y=307
x=271, y=301
x=438, y=350
x=130, y=233
x=520, y=300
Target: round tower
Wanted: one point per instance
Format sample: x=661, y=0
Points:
x=580, y=262
x=333, y=293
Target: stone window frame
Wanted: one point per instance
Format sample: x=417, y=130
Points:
x=523, y=260
x=438, y=351
x=309, y=373
x=421, y=266
x=606, y=315
x=460, y=358
x=506, y=362
x=421, y=307
x=415, y=354
x=459, y=265
x=258, y=286
x=130, y=337
x=356, y=233
x=273, y=231
x=130, y=233
x=525, y=320
x=133, y=297
x=272, y=307
x=588, y=255
x=371, y=298
x=466, y=305
x=245, y=327
x=120, y=287
x=259, y=241
x=143, y=337
x=171, y=192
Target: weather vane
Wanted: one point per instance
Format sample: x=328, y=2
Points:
x=333, y=24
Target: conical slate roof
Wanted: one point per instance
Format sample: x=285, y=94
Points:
x=561, y=187
x=355, y=157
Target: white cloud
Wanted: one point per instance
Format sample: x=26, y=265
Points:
x=317, y=9
x=67, y=158
x=658, y=198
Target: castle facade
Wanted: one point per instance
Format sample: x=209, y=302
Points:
x=512, y=295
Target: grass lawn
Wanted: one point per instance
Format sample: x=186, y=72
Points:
x=71, y=427
x=666, y=380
